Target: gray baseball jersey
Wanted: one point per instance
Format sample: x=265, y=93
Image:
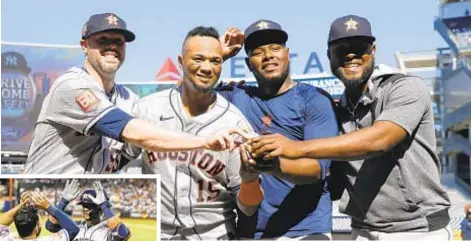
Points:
x=62, y=141
x=7, y=235
x=98, y=232
x=197, y=202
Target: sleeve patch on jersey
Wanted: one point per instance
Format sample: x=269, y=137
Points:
x=87, y=100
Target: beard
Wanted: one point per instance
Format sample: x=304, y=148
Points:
x=104, y=65
x=355, y=82
x=109, y=66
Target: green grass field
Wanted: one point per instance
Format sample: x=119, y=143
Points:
x=141, y=229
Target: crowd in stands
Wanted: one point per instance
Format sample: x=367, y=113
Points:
x=138, y=196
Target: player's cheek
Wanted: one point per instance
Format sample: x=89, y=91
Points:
x=217, y=70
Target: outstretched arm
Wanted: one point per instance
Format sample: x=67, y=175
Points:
x=7, y=218
x=114, y=223
x=71, y=191
x=365, y=143
x=408, y=103
x=68, y=225
x=86, y=109
x=155, y=138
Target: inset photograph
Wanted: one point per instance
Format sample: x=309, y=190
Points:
x=105, y=208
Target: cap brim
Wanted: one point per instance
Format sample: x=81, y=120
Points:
x=263, y=37
x=356, y=36
x=128, y=35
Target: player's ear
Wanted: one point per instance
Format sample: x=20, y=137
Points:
x=328, y=53
x=83, y=44
x=247, y=62
x=373, y=49
x=180, y=61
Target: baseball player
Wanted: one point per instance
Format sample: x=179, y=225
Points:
x=95, y=203
x=79, y=110
x=296, y=201
x=199, y=188
x=28, y=224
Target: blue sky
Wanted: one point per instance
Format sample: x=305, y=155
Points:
x=160, y=26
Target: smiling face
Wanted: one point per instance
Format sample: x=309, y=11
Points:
x=352, y=60
x=201, y=61
x=86, y=213
x=105, y=51
x=90, y=212
x=269, y=62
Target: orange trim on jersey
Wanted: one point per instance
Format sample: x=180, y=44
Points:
x=250, y=193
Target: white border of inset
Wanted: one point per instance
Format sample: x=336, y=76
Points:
x=96, y=176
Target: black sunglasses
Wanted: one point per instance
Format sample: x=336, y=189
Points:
x=107, y=41
x=344, y=48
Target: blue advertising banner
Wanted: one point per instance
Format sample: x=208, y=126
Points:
x=28, y=71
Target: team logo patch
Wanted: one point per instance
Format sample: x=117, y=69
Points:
x=87, y=100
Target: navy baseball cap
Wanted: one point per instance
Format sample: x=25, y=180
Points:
x=103, y=22
x=263, y=32
x=350, y=26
